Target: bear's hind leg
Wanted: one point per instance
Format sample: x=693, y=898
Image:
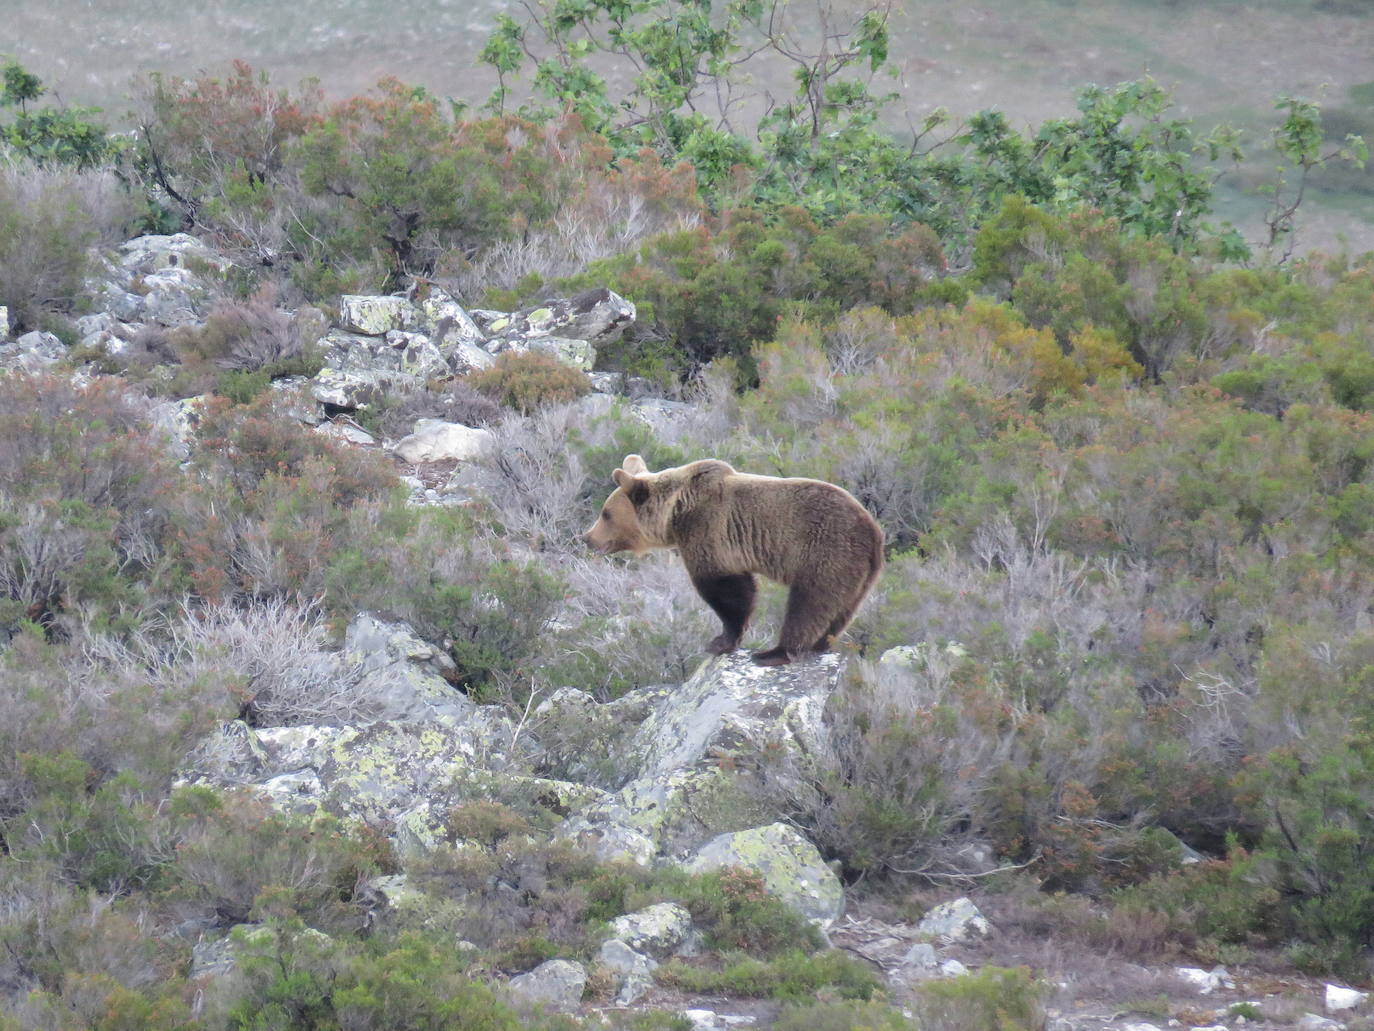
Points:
x=810, y=610
x=846, y=615
x=732, y=598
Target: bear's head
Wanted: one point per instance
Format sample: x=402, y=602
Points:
x=626, y=522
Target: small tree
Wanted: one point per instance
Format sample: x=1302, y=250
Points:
x=58, y=135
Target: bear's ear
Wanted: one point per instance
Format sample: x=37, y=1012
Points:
x=635, y=488
x=634, y=465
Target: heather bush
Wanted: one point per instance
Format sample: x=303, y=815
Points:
x=49, y=218
x=715, y=293
x=394, y=415
x=267, y=518
x=237, y=858
x=550, y=471
x=526, y=380
x=86, y=487
x=246, y=336
x=458, y=585
x=284, y=674
x=74, y=958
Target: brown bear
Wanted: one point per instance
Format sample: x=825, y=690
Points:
x=727, y=526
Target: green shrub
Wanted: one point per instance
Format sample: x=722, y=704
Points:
x=293, y=978
x=993, y=999
x=526, y=380
x=842, y=1016
x=239, y=859
x=788, y=976
x=737, y=912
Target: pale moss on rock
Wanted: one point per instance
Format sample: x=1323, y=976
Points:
x=790, y=866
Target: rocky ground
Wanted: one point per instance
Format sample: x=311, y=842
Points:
x=691, y=786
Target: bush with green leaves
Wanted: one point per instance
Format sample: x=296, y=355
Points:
x=993, y=999
x=291, y=978
x=715, y=293
x=789, y=976
x=50, y=135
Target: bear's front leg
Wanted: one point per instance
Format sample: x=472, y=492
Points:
x=732, y=598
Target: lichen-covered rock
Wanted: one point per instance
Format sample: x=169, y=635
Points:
x=958, y=920
x=375, y=316
x=447, y=321
x=658, y=930
x=790, y=866
x=577, y=353
x=679, y=795
x=732, y=705
x=32, y=352
x=148, y=254
x=599, y=316
x=557, y=984
x=360, y=369
x=436, y=441
x=374, y=773
x=634, y=971
x=408, y=671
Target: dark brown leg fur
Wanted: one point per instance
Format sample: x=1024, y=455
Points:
x=809, y=611
x=732, y=598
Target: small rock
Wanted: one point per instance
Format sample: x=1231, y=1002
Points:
x=557, y=984
x=1339, y=998
x=348, y=432
x=1205, y=981
x=922, y=954
x=955, y=921
x=952, y=968
x=658, y=930
x=710, y=1020
x=618, y=956
x=1316, y=1022
x=435, y=441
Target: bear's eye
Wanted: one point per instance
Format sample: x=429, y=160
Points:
x=606, y=514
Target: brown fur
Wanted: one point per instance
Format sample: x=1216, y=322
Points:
x=728, y=526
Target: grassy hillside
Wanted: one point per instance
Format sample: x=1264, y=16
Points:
x=1223, y=62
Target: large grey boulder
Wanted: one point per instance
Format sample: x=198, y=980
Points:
x=145, y=255
x=557, y=984
x=408, y=671
x=32, y=352
x=436, y=441
x=790, y=866
x=715, y=756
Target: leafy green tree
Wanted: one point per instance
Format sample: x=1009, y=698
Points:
x=59, y=135
x=1301, y=142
